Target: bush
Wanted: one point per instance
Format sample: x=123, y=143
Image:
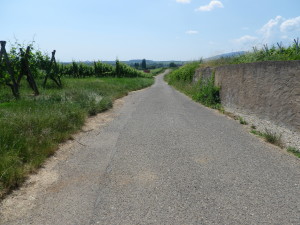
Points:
x=184, y=73
x=208, y=93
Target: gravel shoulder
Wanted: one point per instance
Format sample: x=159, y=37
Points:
x=288, y=137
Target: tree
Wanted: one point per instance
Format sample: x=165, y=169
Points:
x=136, y=65
x=118, y=68
x=172, y=64
x=144, y=65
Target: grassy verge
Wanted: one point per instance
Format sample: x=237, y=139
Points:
x=294, y=151
x=32, y=127
x=275, y=139
x=269, y=136
x=157, y=71
x=154, y=72
x=203, y=91
x=242, y=121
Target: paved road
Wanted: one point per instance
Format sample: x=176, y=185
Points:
x=168, y=160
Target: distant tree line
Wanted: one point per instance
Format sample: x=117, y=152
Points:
x=143, y=65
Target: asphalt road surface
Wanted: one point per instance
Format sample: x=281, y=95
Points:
x=168, y=160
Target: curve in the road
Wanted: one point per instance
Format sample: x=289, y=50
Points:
x=168, y=160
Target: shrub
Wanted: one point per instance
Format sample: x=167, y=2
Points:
x=208, y=94
x=184, y=73
x=243, y=121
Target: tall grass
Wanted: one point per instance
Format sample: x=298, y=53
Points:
x=274, y=53
x=269, y=136
x=32, y=127
x=184, y=73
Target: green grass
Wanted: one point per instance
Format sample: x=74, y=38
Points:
x=266, y=53
x=273, y=138
x=157, y=71
x=203, y=91
x=294, y=151
x=256, y=132
x=269, y=136
x=243, y=121
x=154, y=72
x=31, y=128
x=184, y=73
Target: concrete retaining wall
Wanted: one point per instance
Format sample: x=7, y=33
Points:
x=203, y=73
x=270, y=90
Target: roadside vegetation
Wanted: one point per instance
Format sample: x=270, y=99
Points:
x=294, y=151
x=204, y=92
x=276, y=52
x=32, y=127
x=269, y=136
x=33, y=121
x=207, y=93
x=157, y=71
x=242, y=121
x=154, y=72
x=275, y=139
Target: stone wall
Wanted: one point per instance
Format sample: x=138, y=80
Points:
x=269, y=90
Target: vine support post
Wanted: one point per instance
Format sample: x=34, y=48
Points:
x=14, y=85
x=49, y=75
x=25, y=70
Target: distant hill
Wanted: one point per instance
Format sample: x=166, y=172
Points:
x=226, y=55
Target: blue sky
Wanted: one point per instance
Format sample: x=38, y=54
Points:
x=151, y=29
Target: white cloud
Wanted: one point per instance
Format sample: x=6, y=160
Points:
x=192, y=32
x=246, y=39
x=270, y=27
x=213, y=4
x=290, y=25
x=276, y=30
x=245, y=42
x=183, y=1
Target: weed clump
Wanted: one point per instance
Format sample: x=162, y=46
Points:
x=269, y=136
x=273, y=138
x=208, y=94
x=243, y=121
x=294, y=151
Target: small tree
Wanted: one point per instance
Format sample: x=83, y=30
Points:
x=136, y=65
x=144, y=65
x=118, y=68
x=172, y=65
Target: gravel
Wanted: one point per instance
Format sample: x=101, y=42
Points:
x=288, y=137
